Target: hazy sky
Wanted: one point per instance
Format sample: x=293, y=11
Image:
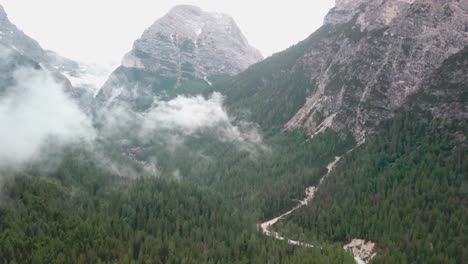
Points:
x=102, y=31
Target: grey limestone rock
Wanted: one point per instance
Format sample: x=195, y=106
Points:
x=376, y=54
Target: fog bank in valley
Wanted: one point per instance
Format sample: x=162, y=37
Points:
x=35, y=112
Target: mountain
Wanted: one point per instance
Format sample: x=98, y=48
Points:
x=71, y=74
x=89, y=77
x=405, y=188
x=368, y=115
x=11, y=36
x=356, y=70
x=182, y=52
x=15, y=41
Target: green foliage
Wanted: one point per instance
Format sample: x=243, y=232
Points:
x=268, y=181
x=84, y=215
x=406, y=188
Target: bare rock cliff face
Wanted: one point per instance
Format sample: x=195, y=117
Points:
x=445, y=93
x=376, y=54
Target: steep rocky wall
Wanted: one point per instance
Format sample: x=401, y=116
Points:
x=376, y=54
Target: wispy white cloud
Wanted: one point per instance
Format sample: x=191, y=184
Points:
x=191, y=115
x=34, y=110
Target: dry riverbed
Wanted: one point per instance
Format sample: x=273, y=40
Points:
x=362, y=251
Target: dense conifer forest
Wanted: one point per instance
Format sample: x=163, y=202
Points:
x=82, y=214
x=406, y=189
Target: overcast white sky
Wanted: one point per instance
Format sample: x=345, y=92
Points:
x=102, y=31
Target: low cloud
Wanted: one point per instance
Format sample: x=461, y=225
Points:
x=191, y=115
x=33, y=111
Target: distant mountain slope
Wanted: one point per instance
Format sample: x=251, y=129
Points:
x=183, y=52
x=12, y=37
x=13, y=40
x=11, y=61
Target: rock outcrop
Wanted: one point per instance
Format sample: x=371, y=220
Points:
x=361, y=249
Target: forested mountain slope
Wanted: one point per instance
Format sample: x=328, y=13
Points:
x=83, y=214
x=406, y=188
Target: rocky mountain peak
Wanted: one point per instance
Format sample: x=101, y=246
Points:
x=4, y=22
x=348, y=4
x=14, y=38
x=2, y=11
x=28, y=49
x=211, y=42
x=186, y=47
x=186, y=9
x=377, y=13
